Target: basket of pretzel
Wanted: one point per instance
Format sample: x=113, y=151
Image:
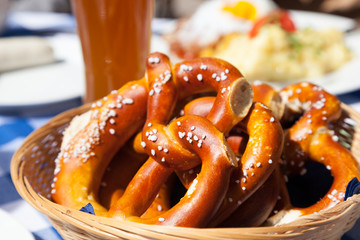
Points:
x=194, y=151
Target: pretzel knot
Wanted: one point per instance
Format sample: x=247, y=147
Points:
x=187, y=140
x=309, y=138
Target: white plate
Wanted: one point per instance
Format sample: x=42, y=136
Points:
x=12, y=229
x=315, y=20
x=64, y=80
x=46, y=84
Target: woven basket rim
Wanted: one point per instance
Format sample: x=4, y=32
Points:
x=107, y=228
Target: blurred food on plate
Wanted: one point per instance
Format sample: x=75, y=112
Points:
x=21, y=52
x=260, y=39
x=274, y=50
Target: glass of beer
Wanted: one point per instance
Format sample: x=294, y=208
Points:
x=115, y=39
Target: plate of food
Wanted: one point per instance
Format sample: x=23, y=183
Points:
x=274, y=45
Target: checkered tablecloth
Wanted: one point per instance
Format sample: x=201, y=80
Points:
x=14, y=129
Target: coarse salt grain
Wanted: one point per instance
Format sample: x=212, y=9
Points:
x=153, y=60
x=203, y=67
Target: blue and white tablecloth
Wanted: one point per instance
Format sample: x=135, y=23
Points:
x=16, y=124
x=14, y=129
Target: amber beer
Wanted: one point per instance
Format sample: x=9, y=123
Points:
x=115, y=39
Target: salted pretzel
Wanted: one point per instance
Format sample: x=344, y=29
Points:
x=92, y=140
x=258, y=161
x=186, y=140
x=309, y=138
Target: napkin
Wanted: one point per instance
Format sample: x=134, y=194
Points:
x=88, y=208
x=352, y=188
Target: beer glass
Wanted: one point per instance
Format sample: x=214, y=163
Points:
x=115, y=40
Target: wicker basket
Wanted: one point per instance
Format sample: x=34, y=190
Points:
x=32, y=170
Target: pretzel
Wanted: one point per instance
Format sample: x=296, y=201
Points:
x=260, y=158
x=92, y=140
x=316, y=109
x=184, y=141
x=309, y=138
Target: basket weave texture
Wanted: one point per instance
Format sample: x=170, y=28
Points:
x=32, y=169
